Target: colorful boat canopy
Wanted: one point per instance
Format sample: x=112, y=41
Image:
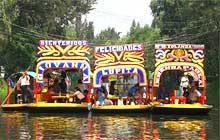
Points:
x=179, y=53
x=182, y=57
x=119, y=60
x=63, y=54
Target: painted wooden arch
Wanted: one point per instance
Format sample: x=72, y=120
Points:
x=119, y=70
x=181, y=66
x=63, y=64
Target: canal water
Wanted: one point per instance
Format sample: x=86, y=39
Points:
x=88, y=126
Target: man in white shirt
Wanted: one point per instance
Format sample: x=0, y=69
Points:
x=184, y=85
x=25, y=87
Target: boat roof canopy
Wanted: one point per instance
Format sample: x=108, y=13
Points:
x=181, y=57
x=119, y=60
x=63, y=64
x=63, y=54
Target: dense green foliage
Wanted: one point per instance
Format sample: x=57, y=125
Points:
x=24, y=22
x=2, y=90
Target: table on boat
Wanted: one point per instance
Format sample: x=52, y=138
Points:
x=55, y=98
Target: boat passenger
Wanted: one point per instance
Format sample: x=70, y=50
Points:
x=161, y=93
x=53, y=90
x=80, y=85
x=100, y=97
x=25, y=88
x=193, y=95
x=62, y=82
x=120, y=101
x=184, y=85
x=113, y=90
x=105, y=83
x=80, y=96
x=138, y=97
x=132, y=91
x=17, y=92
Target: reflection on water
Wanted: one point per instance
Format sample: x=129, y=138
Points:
x=22, y=126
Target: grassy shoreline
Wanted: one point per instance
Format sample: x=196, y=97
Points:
x=2, y=90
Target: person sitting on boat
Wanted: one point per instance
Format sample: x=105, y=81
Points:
x=193, y=95
x=120, y=101
x=77, y=93
x=161, y=93
x=53, y=90
x=132, y=91
x=107, y=100
x=100, y=96
x=80, y=85
x=25, y=88
x=138, y=97
x=184, y=85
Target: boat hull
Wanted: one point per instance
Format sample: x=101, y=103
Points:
x=74, y=108
x=46, y=108
x=121, y=109
x=185, y=109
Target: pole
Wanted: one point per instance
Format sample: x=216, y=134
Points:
x=152, y=95
x=8, y=92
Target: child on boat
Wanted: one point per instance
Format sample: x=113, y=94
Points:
x=100, y=97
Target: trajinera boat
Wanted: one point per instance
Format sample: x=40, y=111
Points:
x=121, y=66
x=57, y=60
x=179, y=82
x=69, y=60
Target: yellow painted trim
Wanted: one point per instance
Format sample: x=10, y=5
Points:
x=179, y=106
x=122, y=107
x=44, y=104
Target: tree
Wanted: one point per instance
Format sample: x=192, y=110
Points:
x=28, y=21
x=148, y=36
x=107, y=37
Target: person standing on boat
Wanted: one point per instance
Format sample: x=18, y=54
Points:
x=62, y=82
x=113, y=90
x=105, y=84
x=27, y=96
x=184, y=85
